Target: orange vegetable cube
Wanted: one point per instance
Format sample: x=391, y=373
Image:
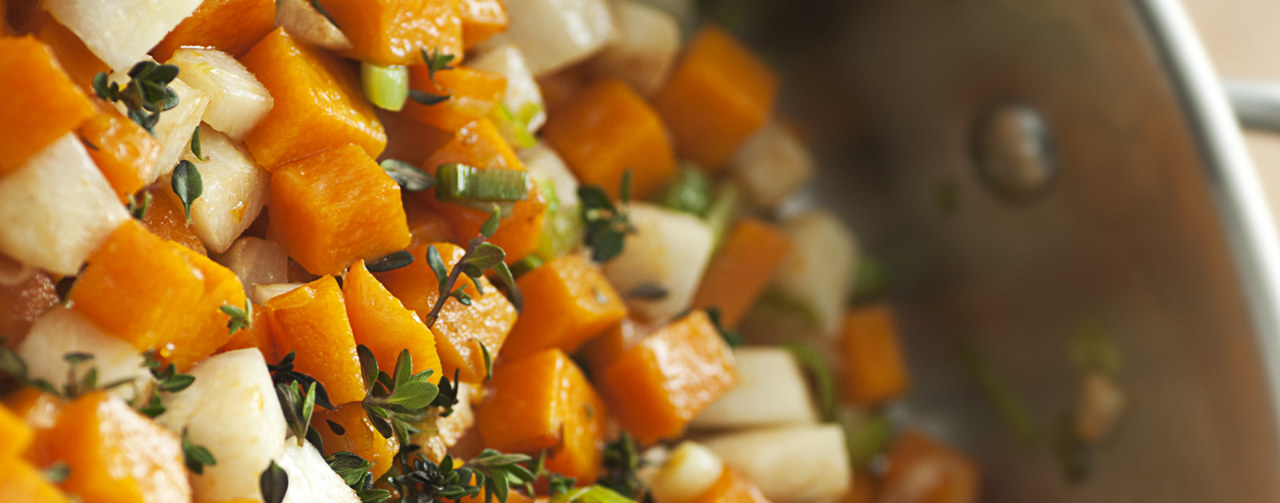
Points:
x=36, y=408
x=390, y=32
x=123, y=150
x=22, y=303
x=166, y=219
x=334, y=208
x=482, y=19
x=311, y=320
x=257, y=335
x=656, y=387
x=716, y=97
x=318, y=103
x=600, y=352
x=385, y=326
x=567, y=301
x=741, y=269
x=460, y=330
x=425, y=224
x=409, y=140
x=231, y=26
x=116, y=455
x=42, y=105
x=473, y=94
x=79, y=62
x=873, y=365
x=608, y=129
x=732, y=487
x=354, y=433
x=545, y=402
x=204, y=328
x=19, y=481
x=925, y=471
x=16, y=434
x=478, y=144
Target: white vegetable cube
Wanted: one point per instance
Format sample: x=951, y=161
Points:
x=177, y=124
x=120, y=32
x=800, y=464
x=817, y=272
x=256, y=262
x=772, y=165
x=237, y=101
x=522, y=96
x=554, y=34
x=690, y=471
x=543, y=160
x=302, y=20
x=310, y=478
x=231, y=409
x=261, y=293
x=60, y=331
x=57, y=208
x=669, y=250
x=646, y=47
x=235, y=190
x=764, y=373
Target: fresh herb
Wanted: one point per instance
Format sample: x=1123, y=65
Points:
x=648, y=291
x=479, y=257
x=64, y=285
x=621, y=460
x=145, y=96
x=607, y=224
x=138, y=209
x=390, y=262
x=488, y=361
x=407, y=175
x=427, y=98
x=195, y=456
x=319, y=8
x=195, y=144
x=820, y=373
x=491, y=473
x=298, y=407
x=167, y=379
x=730, y=336
x=88, y=143
x=559, y=484
x=187, y=184
x=448, y=396
x=240, y=318
x=56, y=472
x=283, y=373
x=435, y=62
x=395, y=401
x=356, y=473
x=336, y=428
x=78, y=382
x=273, y=483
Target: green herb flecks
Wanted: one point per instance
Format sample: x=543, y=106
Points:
x=390, y=262
x=607, y=224
x=435, y=62
x=478, y=257
x=356, y=473
x=145, y=95
x=138, y=208
x=494, y=473
x=621, y=460
x=187, y=184
x=195, y=145
x=273, y=483
x=196, y=457
x=395, y=402
x=240, y=318
x=57, y=472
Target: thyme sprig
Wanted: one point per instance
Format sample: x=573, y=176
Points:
x=607, y=224
x=435, y=62
x=492, y=474
x=357, y=473
x=621, y=460
x=479, y=256
x=145, y=95
x=395, y=402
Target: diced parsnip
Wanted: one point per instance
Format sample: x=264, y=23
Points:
x=772, y=165
x=823, y=254
x=765, y=373
x=542, y=159
x=260, y=294
x=670, y=250
x=310, y=478
x=690, y=471
x=237, y=101
x=801, y=463
x=231, y=409
x=256, y=262
x=522, y=92
x=440, y=433
x=57, y=208
x=554, y=34
x=301, y=20
x=646, y=47
x=116, y=30
x=176, y=125
x=60, y=331
x=235, y=190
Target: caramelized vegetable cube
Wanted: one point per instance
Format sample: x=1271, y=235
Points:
x=19, y=481
x=732, y=487
x=390, y=32
x=873, y=364
x=79, y=62
x=204, y=325
x=165, y=218
x=22, y=303
x=741, y=270
x=16, y=433
x=354, y=433
x=380, y=322
x=482, y=19
x=124, y=151
x=231, y=26
x=567, y=301
x=472, y=94
x=312, y=321
x=43, y=104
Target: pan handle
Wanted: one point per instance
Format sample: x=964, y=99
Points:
x=1256, y=103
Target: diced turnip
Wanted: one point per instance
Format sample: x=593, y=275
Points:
x=770, y=374
x=645, y=49
x=772, y=165
x=256, y=262
x=815, y=274
x=310, y=478
x=301, y=20
x=522, y=97
x=541, y=159
x=237, y=101
x=235, y=190
x=60, y=331
x=553, y=34
x=120, y=32
x=176, y=126
x=691, y=469
x=800, y=464
x=668, y=251
x=260, y=294
x=231, y=409
x=57, y=208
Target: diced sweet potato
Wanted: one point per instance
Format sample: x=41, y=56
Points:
x=312, y=321
x=79, y=62
x=43, y=102
x=482, y=19
x=334, y=208
x=874, y=369
x=567, y=301
x=718, y=95
x=232, y=26
x=656, y=387
x=19, y=481
x=166, y=219
x=608, y=129
x=354, y=433
x=741, y=270
x=473, y=93
x=123, y=150
x=204, y=328
x=380, y=322
x=22, y=303
x=925, y=471
x=390, y=32
x=732, y=487
x=318, y=103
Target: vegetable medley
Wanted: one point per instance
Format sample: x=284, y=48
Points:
x=426, y=250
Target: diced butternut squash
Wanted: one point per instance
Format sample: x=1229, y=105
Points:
x=36, y=408
x=460, y=330
x=204, y=328
x=257, y=335
x=22, y=303
x=545, y=402
x=478, y=144
x=312, y=321
x=19, y=481
x=354, y=433
x=16, y=434
x=318, y=103
x=124, y=151
x=385, y=326
x=166, y=219
x=718, y=95
x=873, y=363
x=43, y=102
x=231, y=26
x=473, y=93
x=567, y=301
x=732, y=487
x=409, y=140
x=741, y=269
x=391, y=32
x=79, y=62
x=925, y=471
x=425, y=224
x=482, y=19
x=115, y=454
x=334, y=208
x=656, y=387
x=601, y=351
x=608, y=129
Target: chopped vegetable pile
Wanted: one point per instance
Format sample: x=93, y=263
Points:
x=426, y=250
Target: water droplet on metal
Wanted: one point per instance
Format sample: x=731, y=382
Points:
x=1014, y=153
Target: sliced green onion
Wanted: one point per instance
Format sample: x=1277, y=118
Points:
x=724, y=207
x=867, y=434
x=458, y=183
x=593, y=494
x=689, y=192
x=387, y=87
x=1008, y=405
x=514, y=130
x=823, y=378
